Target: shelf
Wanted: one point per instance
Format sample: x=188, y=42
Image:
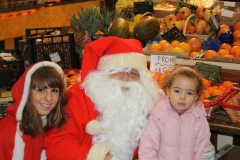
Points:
x=192, y=62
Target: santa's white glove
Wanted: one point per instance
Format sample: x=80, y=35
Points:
x=98, y=152
x=208, y=152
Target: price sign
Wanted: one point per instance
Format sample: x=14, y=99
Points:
x=161, y=63
x=209, y=71
x=174, y=34
x=142, y=7
x=55, y=57
x=214, y=21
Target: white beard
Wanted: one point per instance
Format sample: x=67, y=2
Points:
x=122, y=113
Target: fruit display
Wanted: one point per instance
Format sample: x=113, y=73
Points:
x=72, y=76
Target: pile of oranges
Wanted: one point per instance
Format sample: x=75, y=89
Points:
x=192, y=46
x=214, y=91
x=224, y=50
x=72, y=76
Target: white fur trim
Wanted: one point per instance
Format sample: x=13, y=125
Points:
x=130, y=60
x=28, y=82
x=18, y=151
x=98, y=152
x=43, y=155
x=93, y=127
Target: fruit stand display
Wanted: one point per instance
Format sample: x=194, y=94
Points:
x=191, y=32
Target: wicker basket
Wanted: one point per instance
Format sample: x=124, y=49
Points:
x=202, y=38
x=212, y=106
x=231, y=104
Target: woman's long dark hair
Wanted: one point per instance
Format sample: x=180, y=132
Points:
x=31, y=123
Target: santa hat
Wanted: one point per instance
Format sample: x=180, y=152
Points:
x=112, y=52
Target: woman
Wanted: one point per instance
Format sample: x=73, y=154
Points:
x=38, y=106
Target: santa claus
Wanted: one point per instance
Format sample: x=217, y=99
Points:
x=123, y=92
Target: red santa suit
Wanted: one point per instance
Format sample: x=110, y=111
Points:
x=14, y=145
x=73, y=142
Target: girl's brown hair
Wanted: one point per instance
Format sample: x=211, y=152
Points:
x=186, y=72
x=31, y=123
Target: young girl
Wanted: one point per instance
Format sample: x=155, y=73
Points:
x=38, y=106
x=177, y=128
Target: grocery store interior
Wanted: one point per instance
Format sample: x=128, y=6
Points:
x=24, y=24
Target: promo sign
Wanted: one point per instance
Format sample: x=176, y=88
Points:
x=161, y=63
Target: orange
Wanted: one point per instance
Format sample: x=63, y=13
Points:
x=236, y=43
x=194, y=54
x=206, y=93
x=235, y=50
x=211, y=89
x=175, y=43
x=223, y=88
x=228, y=56
x=195, y=44
x=216, y=92
x=223, y=28
x=154, y=47
x=236, y=25
x=177, y=49
x=185, y=46
x=73, y=79
x=209, y=53
x=71, y=72
x=166, y=47
x=225, y=46
x=237, y=55
x=223, y=52
x=206, y=83
x=236, y=35
x=227, y=84
x=162, y=42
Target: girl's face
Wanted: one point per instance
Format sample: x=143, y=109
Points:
x=182, y=93
x=44, y=99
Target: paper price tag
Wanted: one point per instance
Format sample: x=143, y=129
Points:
x=161, y=63
x=55, y=57
x=229, y=4
x=227, y=13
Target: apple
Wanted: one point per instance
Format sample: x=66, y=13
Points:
x=169, y=19
x=184, y=12
x=200, y=12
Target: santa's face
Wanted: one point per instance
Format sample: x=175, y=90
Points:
x=126, y=75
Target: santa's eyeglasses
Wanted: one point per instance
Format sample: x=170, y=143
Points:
x=132, y=74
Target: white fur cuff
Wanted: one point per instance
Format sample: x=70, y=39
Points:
x=93, y=127
x=98, y=152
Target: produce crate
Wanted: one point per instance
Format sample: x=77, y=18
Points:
x=10, y=71
x=33, y=32
x=41, y=48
